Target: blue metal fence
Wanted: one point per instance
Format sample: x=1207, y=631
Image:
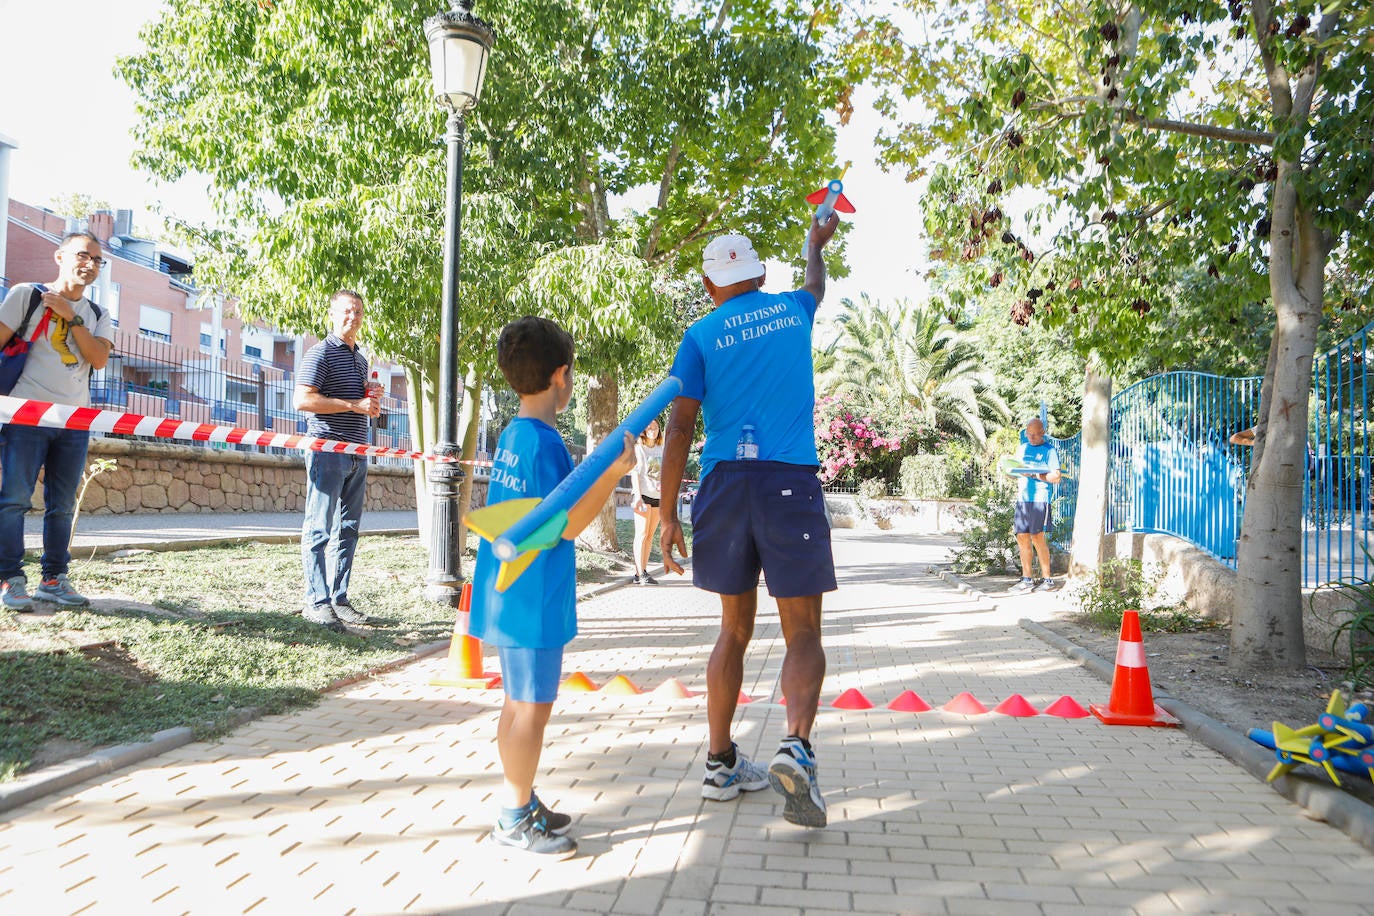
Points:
x=1174, y=468
x=1337, y=485
x=1066, y=492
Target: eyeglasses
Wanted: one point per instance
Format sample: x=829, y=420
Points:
x=83, y=257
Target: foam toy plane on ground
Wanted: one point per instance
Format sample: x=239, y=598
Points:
x=519, y=529
x=828, y=200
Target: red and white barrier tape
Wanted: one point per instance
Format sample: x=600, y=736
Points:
x=64, y=416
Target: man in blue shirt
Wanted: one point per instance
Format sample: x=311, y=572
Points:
x=747, y=368
x=1033, y=497
x=333, y=386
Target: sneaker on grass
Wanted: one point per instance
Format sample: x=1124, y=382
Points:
x=59, y=591
x=533, y=834
x=723, y=783
x=349, y=614
x=793, y=776
x=324, y=615
x=14, y=594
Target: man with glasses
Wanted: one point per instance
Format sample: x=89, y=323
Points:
x=335, y=388
x=69, y=337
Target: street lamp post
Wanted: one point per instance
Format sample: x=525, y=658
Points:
x=458, y=46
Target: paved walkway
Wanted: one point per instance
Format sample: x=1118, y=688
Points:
x=149, y=529
x=376, y=800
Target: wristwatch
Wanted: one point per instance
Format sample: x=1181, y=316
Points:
x=76, y=321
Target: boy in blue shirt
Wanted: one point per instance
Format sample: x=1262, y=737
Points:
x=532, y=620
x=1033, y=507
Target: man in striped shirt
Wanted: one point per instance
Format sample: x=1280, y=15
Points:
x=334, y=388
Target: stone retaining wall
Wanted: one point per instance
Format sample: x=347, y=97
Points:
x=157, y=477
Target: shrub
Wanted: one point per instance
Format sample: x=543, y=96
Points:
x=1122, y=584
x=924, y=476
x=986, y=543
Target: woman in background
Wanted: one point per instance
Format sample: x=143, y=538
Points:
x=644, y=485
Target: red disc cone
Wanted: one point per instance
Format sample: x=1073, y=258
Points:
x=909, y=701
x=744, y=698
x=1066, y=707
x=852, y=699
x=673, y=689
x=579, y=682
x=965, y=704
x=1016, y=705
x=1132, y=701
x=620, y=685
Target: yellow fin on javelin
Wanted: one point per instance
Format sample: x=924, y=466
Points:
x=489, y=521
x=511, y=571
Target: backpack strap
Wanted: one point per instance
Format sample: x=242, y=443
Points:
x=35, y=300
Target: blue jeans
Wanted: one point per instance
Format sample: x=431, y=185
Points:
x=335, y=491
x=61, y=455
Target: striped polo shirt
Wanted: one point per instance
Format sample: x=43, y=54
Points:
x=336, y=370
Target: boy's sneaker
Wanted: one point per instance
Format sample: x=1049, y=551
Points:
x=1047, y=585
x=59, y=591
x=793, y=776
x=636, y=580
x=556, y=822
x=649, y=580
x=532, y=833
x=723, y=783
x=1024, y=587
x=14, y=593
x=349, y=614
x=324, y=615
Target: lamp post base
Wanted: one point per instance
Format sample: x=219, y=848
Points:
x=445, y=581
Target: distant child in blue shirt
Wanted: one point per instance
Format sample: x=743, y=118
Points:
x=1033, y=499
x=532, y=620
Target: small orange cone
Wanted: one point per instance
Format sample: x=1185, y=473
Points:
x=744, y=698
x=464, y=666
x=579, y=683
x=965, y=704
x=1132, y=702
x=909, y=701
x=852, y=699
x=673, y=689
x=1066, y=707
x=621, y=686
x=1016, y=705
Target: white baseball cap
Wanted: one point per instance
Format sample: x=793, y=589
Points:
x=729, y=259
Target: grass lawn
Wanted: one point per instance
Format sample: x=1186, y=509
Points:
x=191, y=637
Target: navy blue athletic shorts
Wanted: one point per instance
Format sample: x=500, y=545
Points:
x=1031, y=518
x=761, y=515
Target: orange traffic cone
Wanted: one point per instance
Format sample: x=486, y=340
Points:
x=1132, y=702
x=464, y=668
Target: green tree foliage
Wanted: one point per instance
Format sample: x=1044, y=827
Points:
x=907, y=361
x=1229, y=137
x=314, y=126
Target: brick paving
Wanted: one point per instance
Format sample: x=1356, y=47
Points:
x=376, y=800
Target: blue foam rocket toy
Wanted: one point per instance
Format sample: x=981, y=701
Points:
x=828, y=200
x=519, y=529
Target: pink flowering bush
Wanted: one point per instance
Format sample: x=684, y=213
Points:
x=852, y=447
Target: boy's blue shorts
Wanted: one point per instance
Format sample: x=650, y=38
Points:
x=530, y=675
x=761, y=515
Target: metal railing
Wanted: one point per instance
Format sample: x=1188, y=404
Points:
x=1065, y=501
x=155, y=378
x=1174, y=469
x=1337, y=483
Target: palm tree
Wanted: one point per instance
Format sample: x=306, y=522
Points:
x=910, y=361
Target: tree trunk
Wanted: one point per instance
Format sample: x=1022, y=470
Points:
x=422, y=410
x=469, y=418
x=1090, y=515
x=603, y=398
x=1266, y=622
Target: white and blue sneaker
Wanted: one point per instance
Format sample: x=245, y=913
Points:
x=792, y=774
x=59, y=591
x=723, y=783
